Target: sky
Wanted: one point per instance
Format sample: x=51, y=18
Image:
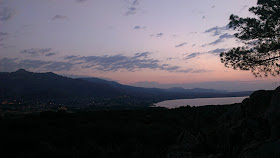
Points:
x=171, y=42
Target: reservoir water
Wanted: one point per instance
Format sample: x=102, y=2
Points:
x=199, y=102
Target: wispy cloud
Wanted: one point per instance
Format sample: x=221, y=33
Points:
x=193, y=55
x=120, y=62
x=196, y=54
x=59, y=17
x=217, y=30
x=12, y=64
x=35, y=51
x=221, y=39
x=131, y=11
x=3, y=35
x=181, y=45
x=157, y=35
x=70, y=57
x=244, y=7
x=50, y=54
x=6, y=13
x=107, y=63
x=217, y=51
x=132, y=7
x=139, y=27
x=81, y=1
x=137, y=62
x=135, y=2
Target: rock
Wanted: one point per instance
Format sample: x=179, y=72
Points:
x=269, y=149
x=273, y=114
x=275, y=102
x=188, y=141
x=258, y=103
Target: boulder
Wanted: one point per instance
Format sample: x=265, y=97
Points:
x=258, y=103
x=273, y=114
x=266, y=149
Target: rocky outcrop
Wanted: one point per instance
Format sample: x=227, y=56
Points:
x=265, y=107
x=256, y=128
x=267, y=149
x=247, y=130
x=257, y=104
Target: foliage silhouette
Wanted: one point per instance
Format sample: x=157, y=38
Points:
x=261, y=36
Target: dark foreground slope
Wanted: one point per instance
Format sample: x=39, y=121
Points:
x=247, y=130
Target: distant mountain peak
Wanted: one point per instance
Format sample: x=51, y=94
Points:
x=22, y=71
x=177, y=88
x=51, y=73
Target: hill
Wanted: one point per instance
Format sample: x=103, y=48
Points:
x=46, y=87
x=28, y=84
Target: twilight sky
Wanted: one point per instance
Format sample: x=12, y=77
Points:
x=163, y=41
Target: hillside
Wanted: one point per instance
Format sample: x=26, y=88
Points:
x=46, y=87
x=171, y=93
x=28, y=84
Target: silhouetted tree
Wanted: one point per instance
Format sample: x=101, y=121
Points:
x=261, y=36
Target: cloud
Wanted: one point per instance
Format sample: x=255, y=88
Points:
x=181, y=45
x=159, y=35
x=202, y=71
x=58, y=66
x=81, y=1
x=217, y=30
x=119, y=62
x=144, y=54
x=244, y=7
x=113, y=63
x=139, y=27
x=217, y=51
x=135, y=2
x=3, y=35
x=131, y=11
x=6, y=13
x=193, y=55
x=34, y=51
x=70, y=57
x=203, y=17
x=196, y=54
x=8, y=64
x=13, y=64
x=226, y=35
x=213, y=6
x=107, y=63
x=132, y=7
x=59, y=17
x=50, y=54
x=220, y=39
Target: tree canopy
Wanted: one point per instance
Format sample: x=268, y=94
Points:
x=261, y=36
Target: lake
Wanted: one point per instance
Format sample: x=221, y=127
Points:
x=199, y=102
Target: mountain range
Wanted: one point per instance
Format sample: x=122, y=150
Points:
x=27, y=84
